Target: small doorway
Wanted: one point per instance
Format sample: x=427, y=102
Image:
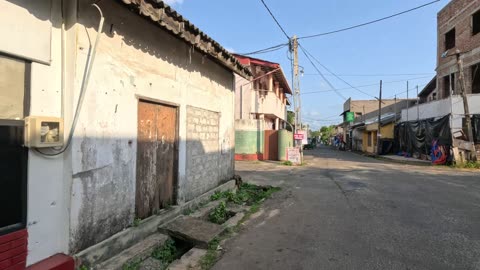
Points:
x=157, y=148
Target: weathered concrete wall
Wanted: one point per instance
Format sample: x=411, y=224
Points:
x=249, y=101
x=87, y=193
x=136, y=59
x=245, y=103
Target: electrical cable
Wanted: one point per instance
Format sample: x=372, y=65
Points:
x=266, y=50
x=365, y=85
x=321, y=74
x=336, y=76
x=275, y=19
x=370, y=22
x=372, y=75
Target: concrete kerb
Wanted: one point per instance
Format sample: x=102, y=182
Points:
x=130, y=236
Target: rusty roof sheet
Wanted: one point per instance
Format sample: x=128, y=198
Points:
x=170, y=20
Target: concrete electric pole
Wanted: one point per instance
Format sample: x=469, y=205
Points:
x=468, y=118
x=379, y=133
x=296, y=86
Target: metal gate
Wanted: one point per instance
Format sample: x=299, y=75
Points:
x=157, y=145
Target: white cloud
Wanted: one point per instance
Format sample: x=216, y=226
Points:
x=230, y=50
x=172, y=2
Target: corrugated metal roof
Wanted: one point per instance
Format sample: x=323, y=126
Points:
x=170, y=20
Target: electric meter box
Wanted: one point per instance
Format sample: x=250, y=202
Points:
x=41, y=132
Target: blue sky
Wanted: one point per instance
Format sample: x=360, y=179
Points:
x=402, y=45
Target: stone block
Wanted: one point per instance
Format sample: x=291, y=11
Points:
x=192, y=230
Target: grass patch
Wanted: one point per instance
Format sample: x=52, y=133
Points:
x=211, y=257
x=247, y=194
x=468, y=165
x=166, y=253
x=287, y=163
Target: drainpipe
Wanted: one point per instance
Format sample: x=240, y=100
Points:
x=83, y=89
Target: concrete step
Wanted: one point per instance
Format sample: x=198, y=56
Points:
x=134, y=254
x=189, y=261
x=151, y=264
x=193, y=230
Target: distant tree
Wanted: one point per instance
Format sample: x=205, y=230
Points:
x=291, y=117
x=327, y=132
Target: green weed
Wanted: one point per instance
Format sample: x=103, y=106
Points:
x=135, y=265
x=136, y=222
x=219, y=214
x=166, y=253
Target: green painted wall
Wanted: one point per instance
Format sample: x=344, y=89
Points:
x=248, y=142
x=285, y=139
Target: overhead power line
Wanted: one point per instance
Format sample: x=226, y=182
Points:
x=275, y=19
x=336, y=76
x=373, y=75
x=370, y=22
x=267, y=50
x=321, y=74
x=365, y=85
x=350, y=27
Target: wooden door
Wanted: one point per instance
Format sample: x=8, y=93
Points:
x=270, y=151
x=156, y=157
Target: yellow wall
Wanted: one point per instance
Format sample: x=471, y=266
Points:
x=387, y=133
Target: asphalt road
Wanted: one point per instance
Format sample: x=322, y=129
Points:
x=346, y=211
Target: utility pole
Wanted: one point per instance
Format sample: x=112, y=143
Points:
x=379, y=134
x=395, y=111
x=468, y=118
x=408, y=103
x=296, y=86
x=418, y=107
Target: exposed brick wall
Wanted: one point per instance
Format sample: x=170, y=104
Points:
x=457, y=14
x=204, y=153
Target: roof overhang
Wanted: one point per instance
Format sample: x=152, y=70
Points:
x=168, y=19
x=429, y=88
x=269, y=66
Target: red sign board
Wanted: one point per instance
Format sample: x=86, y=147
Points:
x=298, y=136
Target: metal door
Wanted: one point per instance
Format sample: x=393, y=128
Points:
x=156, y=157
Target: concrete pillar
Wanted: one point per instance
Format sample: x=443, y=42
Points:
x=277, y=123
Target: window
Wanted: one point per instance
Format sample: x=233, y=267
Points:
x=476, y=79
x=476, y=23
x=14, y=105
x=448, y=85
x=450, y=39
x=369, y=138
